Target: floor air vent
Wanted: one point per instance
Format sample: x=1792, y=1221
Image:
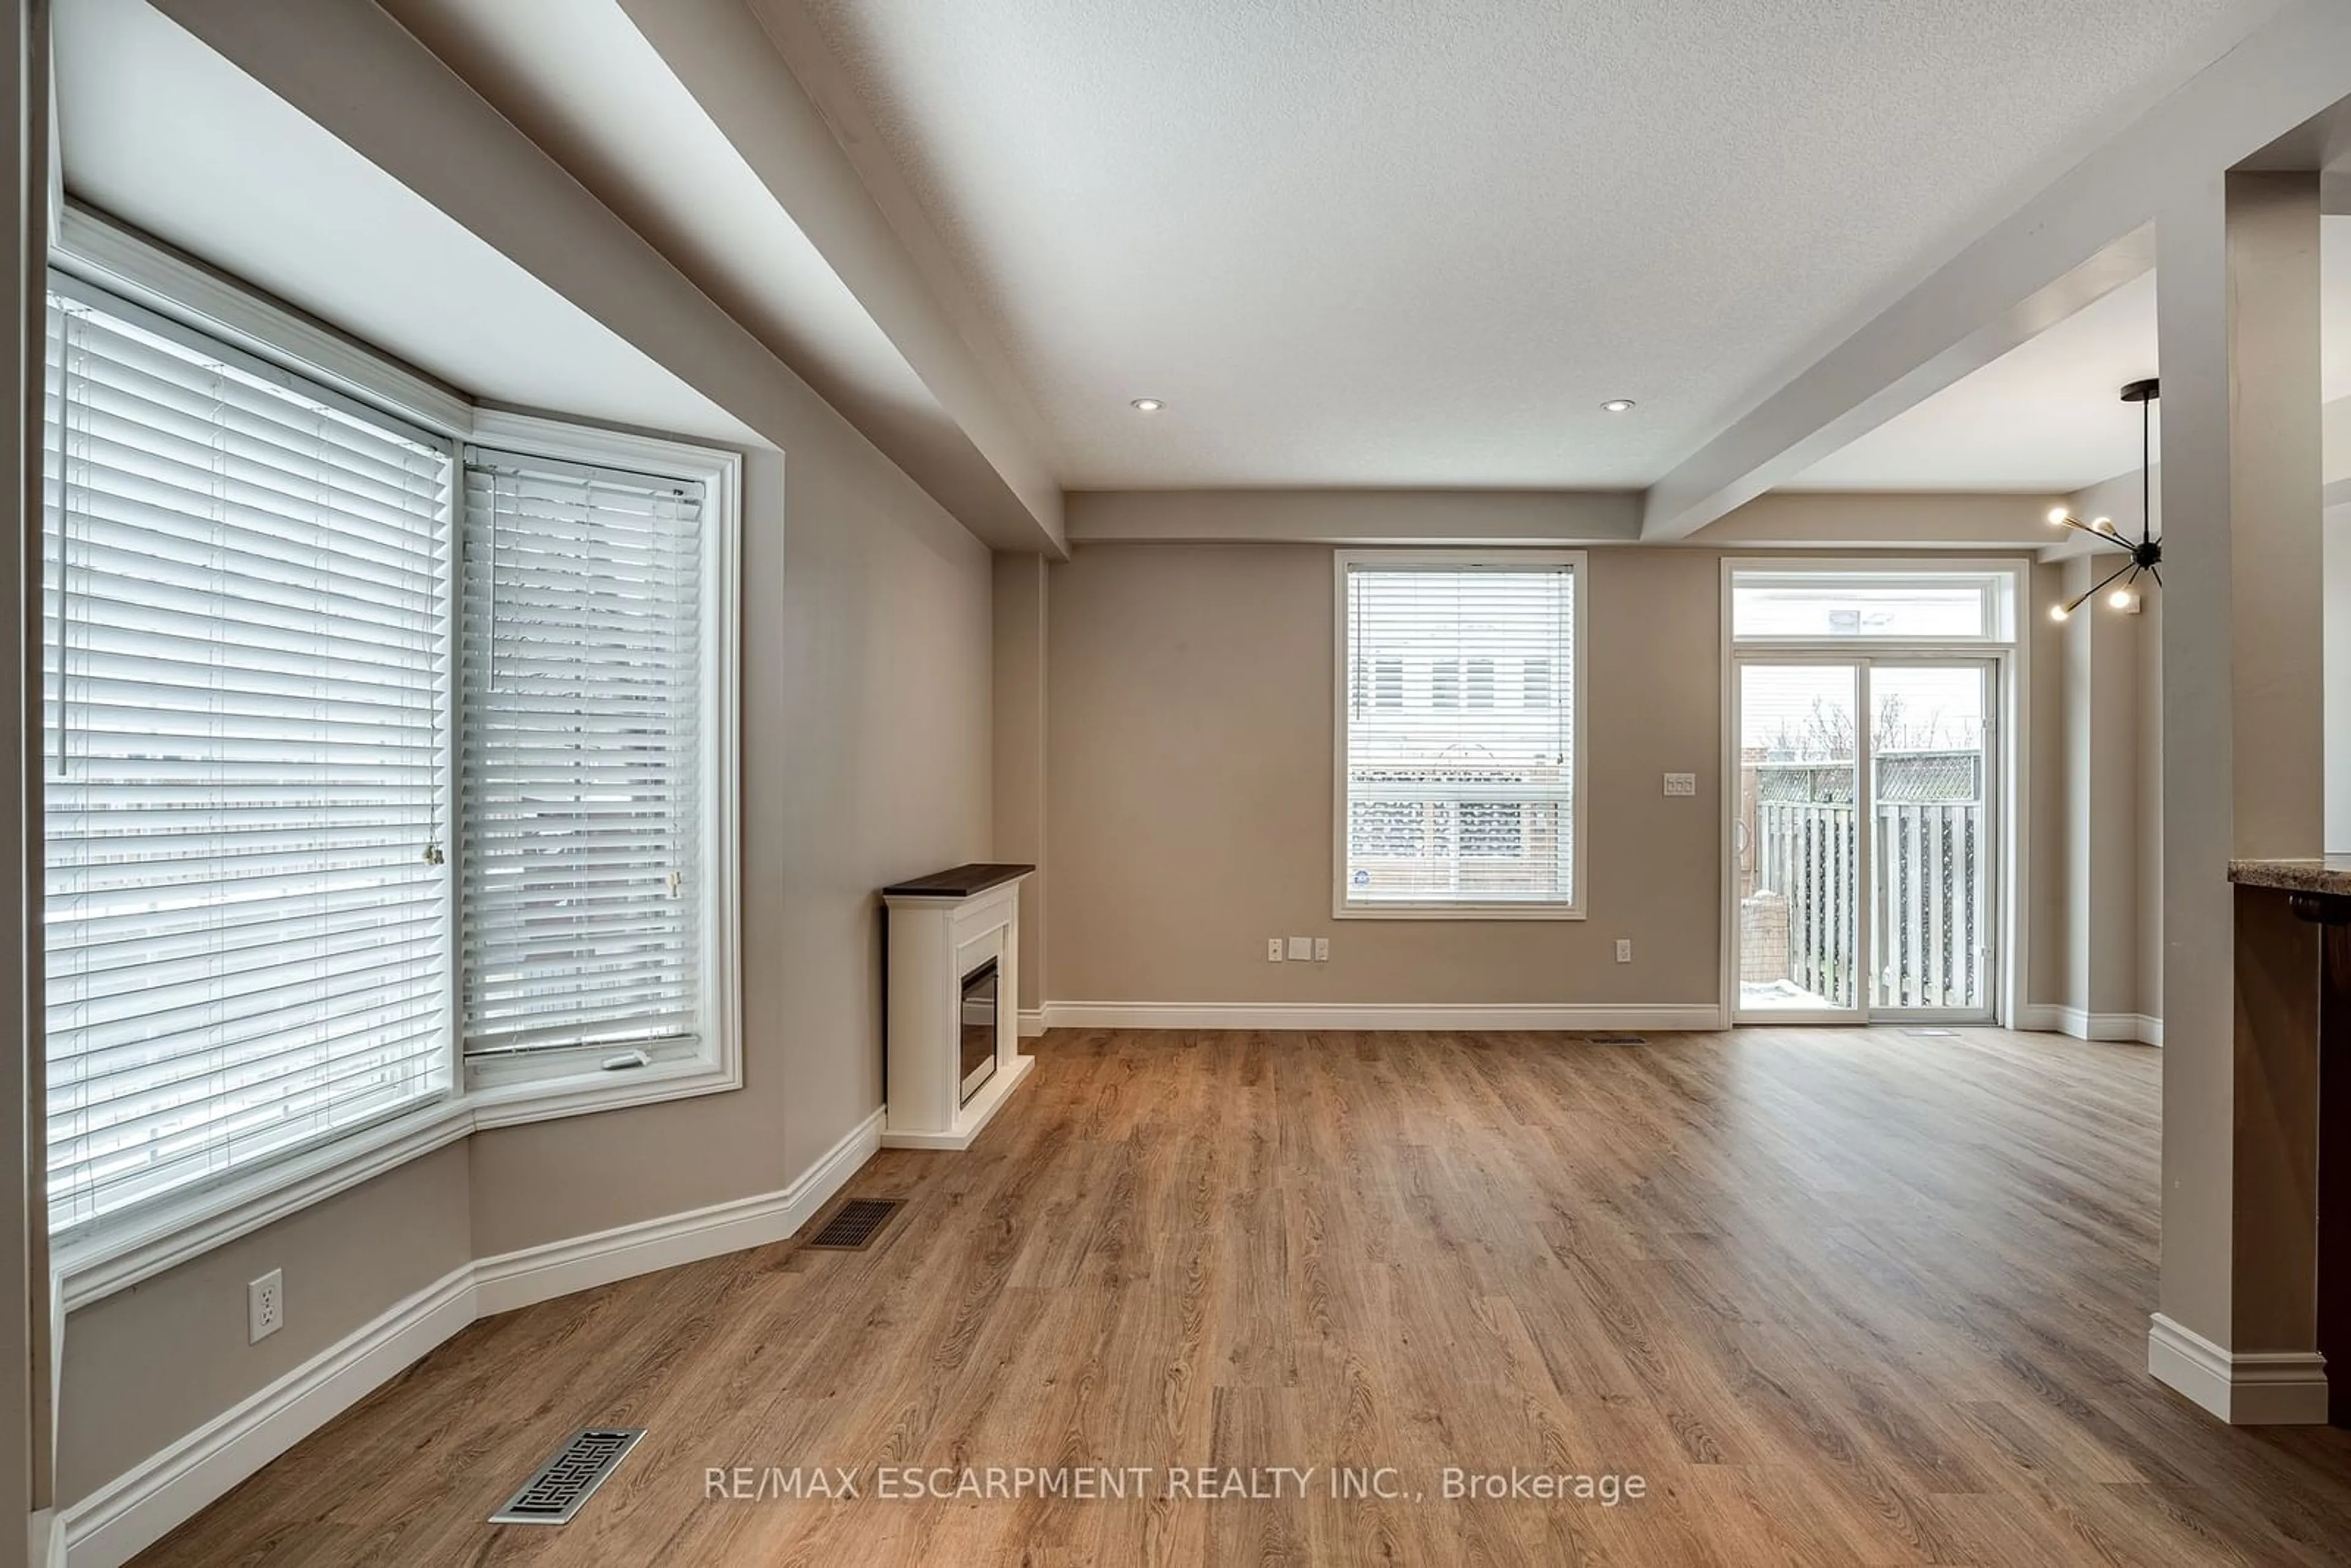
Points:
x=1931, y=1033
x=563, y=1483
x=854, y=1223
x=1618, y=1040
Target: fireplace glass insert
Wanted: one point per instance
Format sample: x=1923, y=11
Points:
x=980, y=994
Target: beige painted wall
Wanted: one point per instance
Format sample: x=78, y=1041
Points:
x=149, y=1364
x=1189, y=766
x=2047, y=881
x=1190, y=772
x=1020, y=753
x=2114, y=665
x=2104, y=655
x=2243, y=766
x=2335, y=564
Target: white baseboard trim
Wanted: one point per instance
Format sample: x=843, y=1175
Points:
x=2256, y=1388
x=1032, y=1023
x=538, y=1274
x=144, y=1504
x=1384, y=1016
x=2055, y=1018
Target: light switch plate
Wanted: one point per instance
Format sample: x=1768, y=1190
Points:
x=1321, y=949
x=1273, y=949
x=1681, y=783
x=1302, y=949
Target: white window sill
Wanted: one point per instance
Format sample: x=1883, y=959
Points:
x=1344, y=911
x=121, y=1252
x=543, y=1097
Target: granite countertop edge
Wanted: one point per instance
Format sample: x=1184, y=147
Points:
x=2327, y=873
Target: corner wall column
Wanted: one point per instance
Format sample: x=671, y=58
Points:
x=2237, y=281
x=2102, y=803
x=1020, y=753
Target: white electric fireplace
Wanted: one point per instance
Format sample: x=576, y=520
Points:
x=952, y=1050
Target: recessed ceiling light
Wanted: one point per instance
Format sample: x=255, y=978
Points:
x=1146, y=405
x=1618, y=406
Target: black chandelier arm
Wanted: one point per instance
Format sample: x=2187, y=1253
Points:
x=2100, y=535
x=2092, y=592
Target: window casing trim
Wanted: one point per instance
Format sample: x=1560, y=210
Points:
x=1577, y=566
x=95, y=249
x=122, y=270
x=570, y=1082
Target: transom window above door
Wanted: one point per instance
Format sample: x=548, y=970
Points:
x=1811, y=603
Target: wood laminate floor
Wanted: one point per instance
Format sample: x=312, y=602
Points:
x=1835, y=1297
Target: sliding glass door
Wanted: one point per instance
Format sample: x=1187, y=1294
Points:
x=1932, y=919
x=1799, y=837
x=1864, y=836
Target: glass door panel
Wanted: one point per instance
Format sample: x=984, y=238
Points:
x=1799, y=840
x=1932, y=919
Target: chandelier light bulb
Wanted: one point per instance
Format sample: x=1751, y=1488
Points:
x=2120, y=599
x=2056, y=517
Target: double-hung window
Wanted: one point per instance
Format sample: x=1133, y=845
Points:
x=581, y=771
x=388, y=780
x=1454, y=801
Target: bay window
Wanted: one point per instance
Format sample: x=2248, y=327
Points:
x=385, y=777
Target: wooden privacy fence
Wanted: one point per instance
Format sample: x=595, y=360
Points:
x=1928, y=936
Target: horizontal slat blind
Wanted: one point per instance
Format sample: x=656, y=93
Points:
x=246, y=647
x=1460, y=733
x=580, y=757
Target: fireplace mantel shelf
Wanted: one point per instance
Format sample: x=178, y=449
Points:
x=962, y=881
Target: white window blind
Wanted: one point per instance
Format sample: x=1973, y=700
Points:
x=246, y=647
x=581, y=773
x=1459, y=775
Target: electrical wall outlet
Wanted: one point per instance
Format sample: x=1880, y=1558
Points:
x=1321, y=949
x=1273, y=949
x=264, y=1306
x=1302, y=949
x=1681, y=783
x=1624, y=949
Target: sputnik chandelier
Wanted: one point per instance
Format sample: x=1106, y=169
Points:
x=2146, y=553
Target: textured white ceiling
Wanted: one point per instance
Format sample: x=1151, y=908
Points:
x=2044, y=415
x=1398, y=242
